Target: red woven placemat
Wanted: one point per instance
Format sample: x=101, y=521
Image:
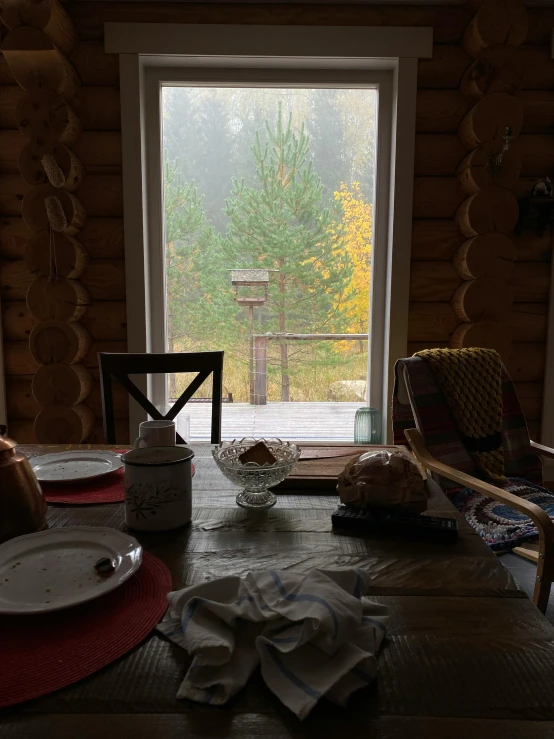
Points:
x=107, y=489
x=46, y=652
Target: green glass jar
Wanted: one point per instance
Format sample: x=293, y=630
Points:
x=368, y=426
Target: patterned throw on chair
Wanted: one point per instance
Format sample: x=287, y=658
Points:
x=470, y=380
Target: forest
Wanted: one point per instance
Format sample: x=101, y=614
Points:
x=278, y=180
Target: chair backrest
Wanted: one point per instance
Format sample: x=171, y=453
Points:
x=419, y=401
x=120, y=366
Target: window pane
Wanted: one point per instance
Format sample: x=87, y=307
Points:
x=268, y=231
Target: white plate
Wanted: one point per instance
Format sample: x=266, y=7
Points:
x=54, y=569
x=74, y=466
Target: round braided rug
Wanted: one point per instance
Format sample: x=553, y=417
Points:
x=45, y=652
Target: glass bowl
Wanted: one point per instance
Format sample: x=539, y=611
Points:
x=255, y=479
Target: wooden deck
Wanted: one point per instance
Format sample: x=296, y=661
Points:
x=291, y=421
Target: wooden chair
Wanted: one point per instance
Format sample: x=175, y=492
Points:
x=438, y=447
x=120, y=366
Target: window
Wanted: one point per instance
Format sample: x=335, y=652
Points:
x=151, y=85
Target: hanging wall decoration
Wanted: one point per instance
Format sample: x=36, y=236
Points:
x=40, y=36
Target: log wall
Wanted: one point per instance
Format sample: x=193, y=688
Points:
x=438, y=192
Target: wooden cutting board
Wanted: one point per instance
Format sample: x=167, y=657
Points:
x=320, y=465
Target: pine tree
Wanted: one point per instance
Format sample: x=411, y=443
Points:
x=281, y=223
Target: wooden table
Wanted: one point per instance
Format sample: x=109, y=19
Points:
x=466, y=654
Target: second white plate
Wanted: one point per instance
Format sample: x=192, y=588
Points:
x=55, y=569
x=74, y=466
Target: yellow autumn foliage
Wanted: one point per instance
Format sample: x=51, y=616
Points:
x=356, y=241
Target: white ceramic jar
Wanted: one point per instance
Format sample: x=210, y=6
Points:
x=158, y=488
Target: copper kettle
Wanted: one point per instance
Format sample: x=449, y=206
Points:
x=22, y=505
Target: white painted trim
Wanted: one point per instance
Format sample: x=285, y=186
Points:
x=140, y=78
x=268, y=41
x=547, y=423
x=3, y=406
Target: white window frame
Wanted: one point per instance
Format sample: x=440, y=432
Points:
x=151, y=54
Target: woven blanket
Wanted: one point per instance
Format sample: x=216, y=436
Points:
x=470, y=380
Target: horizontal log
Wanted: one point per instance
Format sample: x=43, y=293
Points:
x=14, y=234
x=22, y=431
x=106, y=320
x=485, y=334
x=33, y=58
x=105, y=279
x=44, y=115
x=444, y=70
x=537, y=155
x=91, y=359
x=94, y=66
x=533, y=248
x=491, y=209
x=18, y=359
x=530, y=396
x=448, y=22
x=432, y=321
x=486, y=255
x=528, y=321
x=436, y=154
x=420, y=346
x=62, y=384
x=102, y=195
x=497, y=70
x=436, y=197
x=120, y=399
x=541, y=22
x=537, y=67
x=99, y=151
x=103, y=238
x=15, y=280
x=57, y=342
x=37, y=215
x=13, y=189
x=48, y=15
x=58, y=424
x=538, y=110
x=51, y=253
x=476, y=173
x=496, y=22
x=121, y=432
x=489, y=118
x=435, y=321
x=9, y=98
x=439, y=111
x=435, y=240
x=20, y=399
x=98, y=108
x=433, y=281
x=526, y=362
x=530, y=282
x=483, y=299
x=17, y=322
x=53, y=163
x=57, y=300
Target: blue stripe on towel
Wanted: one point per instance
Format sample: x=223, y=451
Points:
x=312, y=692
x=375, y=622
x=187, y=618
x=304, y=598
x=362, y=675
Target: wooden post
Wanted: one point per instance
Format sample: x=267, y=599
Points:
x=260, y=386
x=251, y=354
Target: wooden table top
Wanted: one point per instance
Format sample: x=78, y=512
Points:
x=466, y=652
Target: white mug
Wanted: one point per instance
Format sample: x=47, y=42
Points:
x=156, y=433
x=158, y=488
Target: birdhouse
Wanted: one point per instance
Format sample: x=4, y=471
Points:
x=250, y=286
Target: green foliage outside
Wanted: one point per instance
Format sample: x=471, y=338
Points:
x=279, y=215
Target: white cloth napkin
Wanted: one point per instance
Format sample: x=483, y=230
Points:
x=313, y=634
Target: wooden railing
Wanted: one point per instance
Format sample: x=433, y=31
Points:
x=260, y=355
